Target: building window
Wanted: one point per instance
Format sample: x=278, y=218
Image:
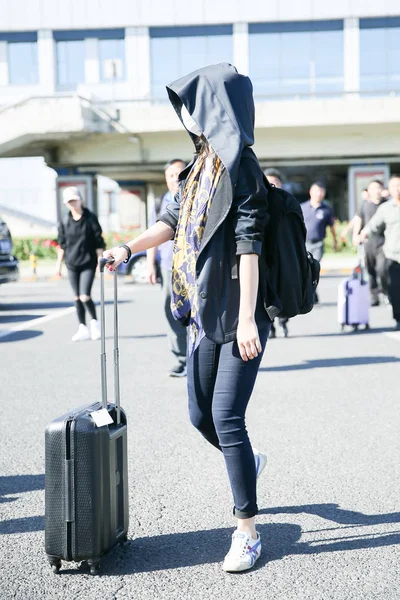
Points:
x=112, y=60
x=71, y=55
x=305, y=57
x=70, y=64
x=380, y=54
x=176, y=51
x=23, y=63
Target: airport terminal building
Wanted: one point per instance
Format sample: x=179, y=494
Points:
x=82, y=84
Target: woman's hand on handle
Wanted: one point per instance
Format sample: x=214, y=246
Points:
x=118, y=254
x=248, y=339
x=153, y=236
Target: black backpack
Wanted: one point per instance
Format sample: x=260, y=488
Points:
x=292, y=272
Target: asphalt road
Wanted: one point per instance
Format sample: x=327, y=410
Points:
x=325, y=409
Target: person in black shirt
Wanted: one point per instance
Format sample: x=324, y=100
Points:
x=81, y=243
x=374, y=256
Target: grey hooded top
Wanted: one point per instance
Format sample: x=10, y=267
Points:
x=220, y=101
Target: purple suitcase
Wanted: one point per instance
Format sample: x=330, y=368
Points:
x=353, y=296
x=353, y=303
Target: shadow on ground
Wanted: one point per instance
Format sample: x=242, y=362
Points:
x=11, y=485
x=19, y=336
x=177, y=550
x=324, y=363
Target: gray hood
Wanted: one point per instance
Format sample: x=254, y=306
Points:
x=221, y=102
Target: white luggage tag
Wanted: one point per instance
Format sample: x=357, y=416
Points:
x=101, y=417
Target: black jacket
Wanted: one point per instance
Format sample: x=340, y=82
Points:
x=80, y=240
x=221, y=102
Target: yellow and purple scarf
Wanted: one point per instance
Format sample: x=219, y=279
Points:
x=196, y=200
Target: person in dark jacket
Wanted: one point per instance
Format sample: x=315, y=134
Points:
x=80, y=244
x=217, y=220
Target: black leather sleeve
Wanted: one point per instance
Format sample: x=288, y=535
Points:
x=249, y=208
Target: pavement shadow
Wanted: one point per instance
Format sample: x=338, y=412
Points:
x=332, y=512
x=17, y=318
x=19, y=336
x=24, y=525
x=139, y=337
x=323, y=363
x=11, y=485
x=370, y=331
x=179, y=550
x=19, y=306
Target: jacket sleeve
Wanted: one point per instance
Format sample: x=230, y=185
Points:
x=249, y=209
x=171, y=214
x=97, y=232
x=61, y=235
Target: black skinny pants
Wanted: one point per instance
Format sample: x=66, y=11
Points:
x=81, y=281
x=394, y=287
x=377, y=269
x=220, y=384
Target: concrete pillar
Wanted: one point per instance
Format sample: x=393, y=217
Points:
x=92, y=63
x=241, y=47
x=3, y=64
x=47, y=61
x=351, y=41
x=138, y=67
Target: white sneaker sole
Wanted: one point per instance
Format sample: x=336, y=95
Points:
x=230, y=568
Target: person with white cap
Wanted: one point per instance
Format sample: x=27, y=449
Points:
x=80, y=244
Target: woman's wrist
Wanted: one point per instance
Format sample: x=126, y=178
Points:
x=243, y=317
x=128, y=252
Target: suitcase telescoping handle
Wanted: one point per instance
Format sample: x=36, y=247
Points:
x=102, y=263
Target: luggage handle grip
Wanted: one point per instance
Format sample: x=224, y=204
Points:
x=102, y=263
x=105, y=261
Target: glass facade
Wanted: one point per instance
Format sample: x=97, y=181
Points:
x=70, y=64
x=23, y=63
x=112, y=60
x=176, y=51
x=380, y=54
x=287, y=59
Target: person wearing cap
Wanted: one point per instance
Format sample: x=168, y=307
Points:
x=275, y=178
x=80, y=244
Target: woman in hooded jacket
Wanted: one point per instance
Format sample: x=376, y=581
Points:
x=217, y=221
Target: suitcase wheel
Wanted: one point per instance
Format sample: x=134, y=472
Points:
x=355, y=327
x=94, y=567
x=55, y=564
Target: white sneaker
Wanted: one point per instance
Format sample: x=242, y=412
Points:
x=95, y=330
x=261, y=462
x=243, y=554
x=82, y=334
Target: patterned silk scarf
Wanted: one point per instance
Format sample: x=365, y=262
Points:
x=195, y=204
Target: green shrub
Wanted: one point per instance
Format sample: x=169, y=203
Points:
x=41, y=247
x=116, y=238
x=47, y=247
x=344, y=247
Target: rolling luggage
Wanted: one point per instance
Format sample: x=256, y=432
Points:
x=86, y=475
x=354, y=298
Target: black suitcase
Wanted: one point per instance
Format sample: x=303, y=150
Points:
x=86, y=474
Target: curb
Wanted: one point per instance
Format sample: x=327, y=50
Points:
x=346, y=271
x=41, y=278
